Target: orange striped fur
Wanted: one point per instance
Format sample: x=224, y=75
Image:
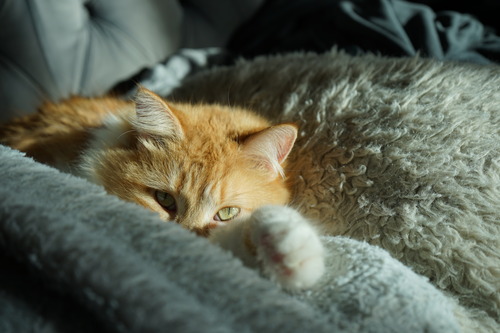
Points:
x=207, y=157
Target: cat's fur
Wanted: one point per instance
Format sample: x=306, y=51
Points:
x=206, y=157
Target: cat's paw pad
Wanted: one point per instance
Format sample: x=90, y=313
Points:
x=287, y=246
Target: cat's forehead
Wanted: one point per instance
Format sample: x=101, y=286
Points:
x=207, y=152
x=195, y=161
x=203, y=181
x=219, y=185
x=219, y=119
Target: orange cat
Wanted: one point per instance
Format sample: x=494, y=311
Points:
x=201, y=166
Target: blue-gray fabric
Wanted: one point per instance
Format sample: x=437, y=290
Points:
x=389, y=27
x=53, y=49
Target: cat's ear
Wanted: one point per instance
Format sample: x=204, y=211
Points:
x=270, y=147
x=155, y=117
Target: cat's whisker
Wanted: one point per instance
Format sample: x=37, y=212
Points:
x=125, y=133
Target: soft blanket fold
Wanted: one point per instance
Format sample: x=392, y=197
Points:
x=120, y=267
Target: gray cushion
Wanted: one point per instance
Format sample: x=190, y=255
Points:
x=52, y=49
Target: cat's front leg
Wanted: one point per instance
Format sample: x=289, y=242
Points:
x=278, y=240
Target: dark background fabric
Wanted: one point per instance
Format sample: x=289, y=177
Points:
x=438, y=29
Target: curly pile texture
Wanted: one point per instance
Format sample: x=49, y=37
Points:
x=403, y=153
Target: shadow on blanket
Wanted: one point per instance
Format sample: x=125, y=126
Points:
x=82, y=260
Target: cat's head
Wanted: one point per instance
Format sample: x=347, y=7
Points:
x=199, y=165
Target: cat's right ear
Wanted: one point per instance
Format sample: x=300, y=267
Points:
x=155, y=117
x=270, y=147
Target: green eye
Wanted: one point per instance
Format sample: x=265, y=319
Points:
x=227, y=213
x=166, y=200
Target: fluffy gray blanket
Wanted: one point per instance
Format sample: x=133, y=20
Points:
x=75, y=258
x=79, y=260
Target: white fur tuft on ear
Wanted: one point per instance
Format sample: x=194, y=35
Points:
x=154, y=116
x=270, y=147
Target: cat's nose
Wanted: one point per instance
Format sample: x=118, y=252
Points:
x=205, y=230
x=192, y=219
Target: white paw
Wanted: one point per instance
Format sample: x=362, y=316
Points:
x=287, y=246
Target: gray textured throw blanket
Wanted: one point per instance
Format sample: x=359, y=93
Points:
x=75, y=259
x=401, y=153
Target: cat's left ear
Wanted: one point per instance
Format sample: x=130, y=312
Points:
x=270, y=147
x=155, y=117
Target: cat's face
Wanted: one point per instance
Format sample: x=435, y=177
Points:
x=201, y=166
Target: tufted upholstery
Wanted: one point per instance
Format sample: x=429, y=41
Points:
x=51, y=49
